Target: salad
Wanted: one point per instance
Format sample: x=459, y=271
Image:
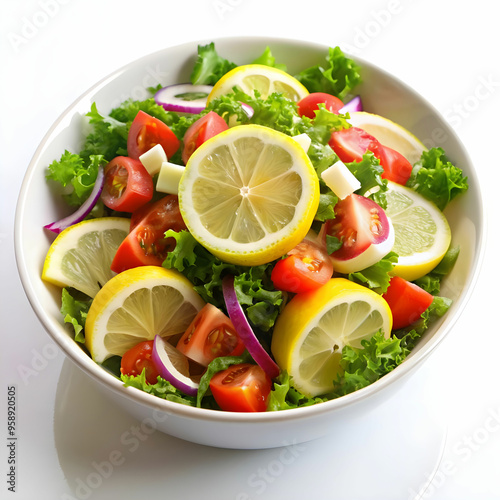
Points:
x=252, y=240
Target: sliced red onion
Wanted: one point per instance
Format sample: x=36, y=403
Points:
x=247, y=109
x=352, y=106
x=173, y=366
x=84, y=210
x=244, y=330
x=183, y=97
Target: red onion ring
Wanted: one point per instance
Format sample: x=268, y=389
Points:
x=244, y=330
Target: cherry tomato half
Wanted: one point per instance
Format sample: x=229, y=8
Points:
x=407, y=301
x=364, y=230
x=210, y=335
x=146, y=132
x=137, y=358
x=127, y=184
x=200, y=131
x=146, y=244
x=307, y=267
x=352, y=143
x=357, y=224
x=242, y=387
x=396, y=167
x=309, y=104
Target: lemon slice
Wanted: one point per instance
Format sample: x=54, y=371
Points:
x=314, y=327
x=389, y=134
x=136, y=305
x=422, y=233
x=81, y=255
x=249, y=194
x=264, y=79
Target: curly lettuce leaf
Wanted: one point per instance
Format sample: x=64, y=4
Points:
x=255, y=290
x=322, y=156
x=320, y=128
x=332, y=244
x=162, y=389
x=275, y=112
x=199, y=266
x=107, y=137
x=230, y=107
x=410, y=335
x=432, y=282
x=267, y=59
x=338, y=78
x=361, y=367
x=77, y=172
x=74, y=308
x=64, y=170
x=127, y=111
x=326, y=207
x=369, y=173
x=376, y=276
x=209, y=66
x=436, y=178
x=285, y=397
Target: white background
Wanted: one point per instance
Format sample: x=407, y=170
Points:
x=443, y=428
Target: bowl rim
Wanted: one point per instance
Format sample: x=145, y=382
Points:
x=84, y=362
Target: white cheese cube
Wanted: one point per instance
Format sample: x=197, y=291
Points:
x=169, y=178
x=340, y=180
x=153, y=159
x=303, y=140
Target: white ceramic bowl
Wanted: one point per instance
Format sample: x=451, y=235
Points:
x=382, y=94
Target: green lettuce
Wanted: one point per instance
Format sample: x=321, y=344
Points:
x=162, y=389
x=432, y=282
x=411, y=334
x=332, y=243
x=74, y=308
x=436, y=178
x=320, y=128
x=267, y=59
x=275, y=112
x=256, y=294
x=326, y=208
x=285, y=397
x=361, y=367
x=77, y=172
x=376, y=276
x=209, y=66
x=369, y=173
x=127, y=111
x=339, y=76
